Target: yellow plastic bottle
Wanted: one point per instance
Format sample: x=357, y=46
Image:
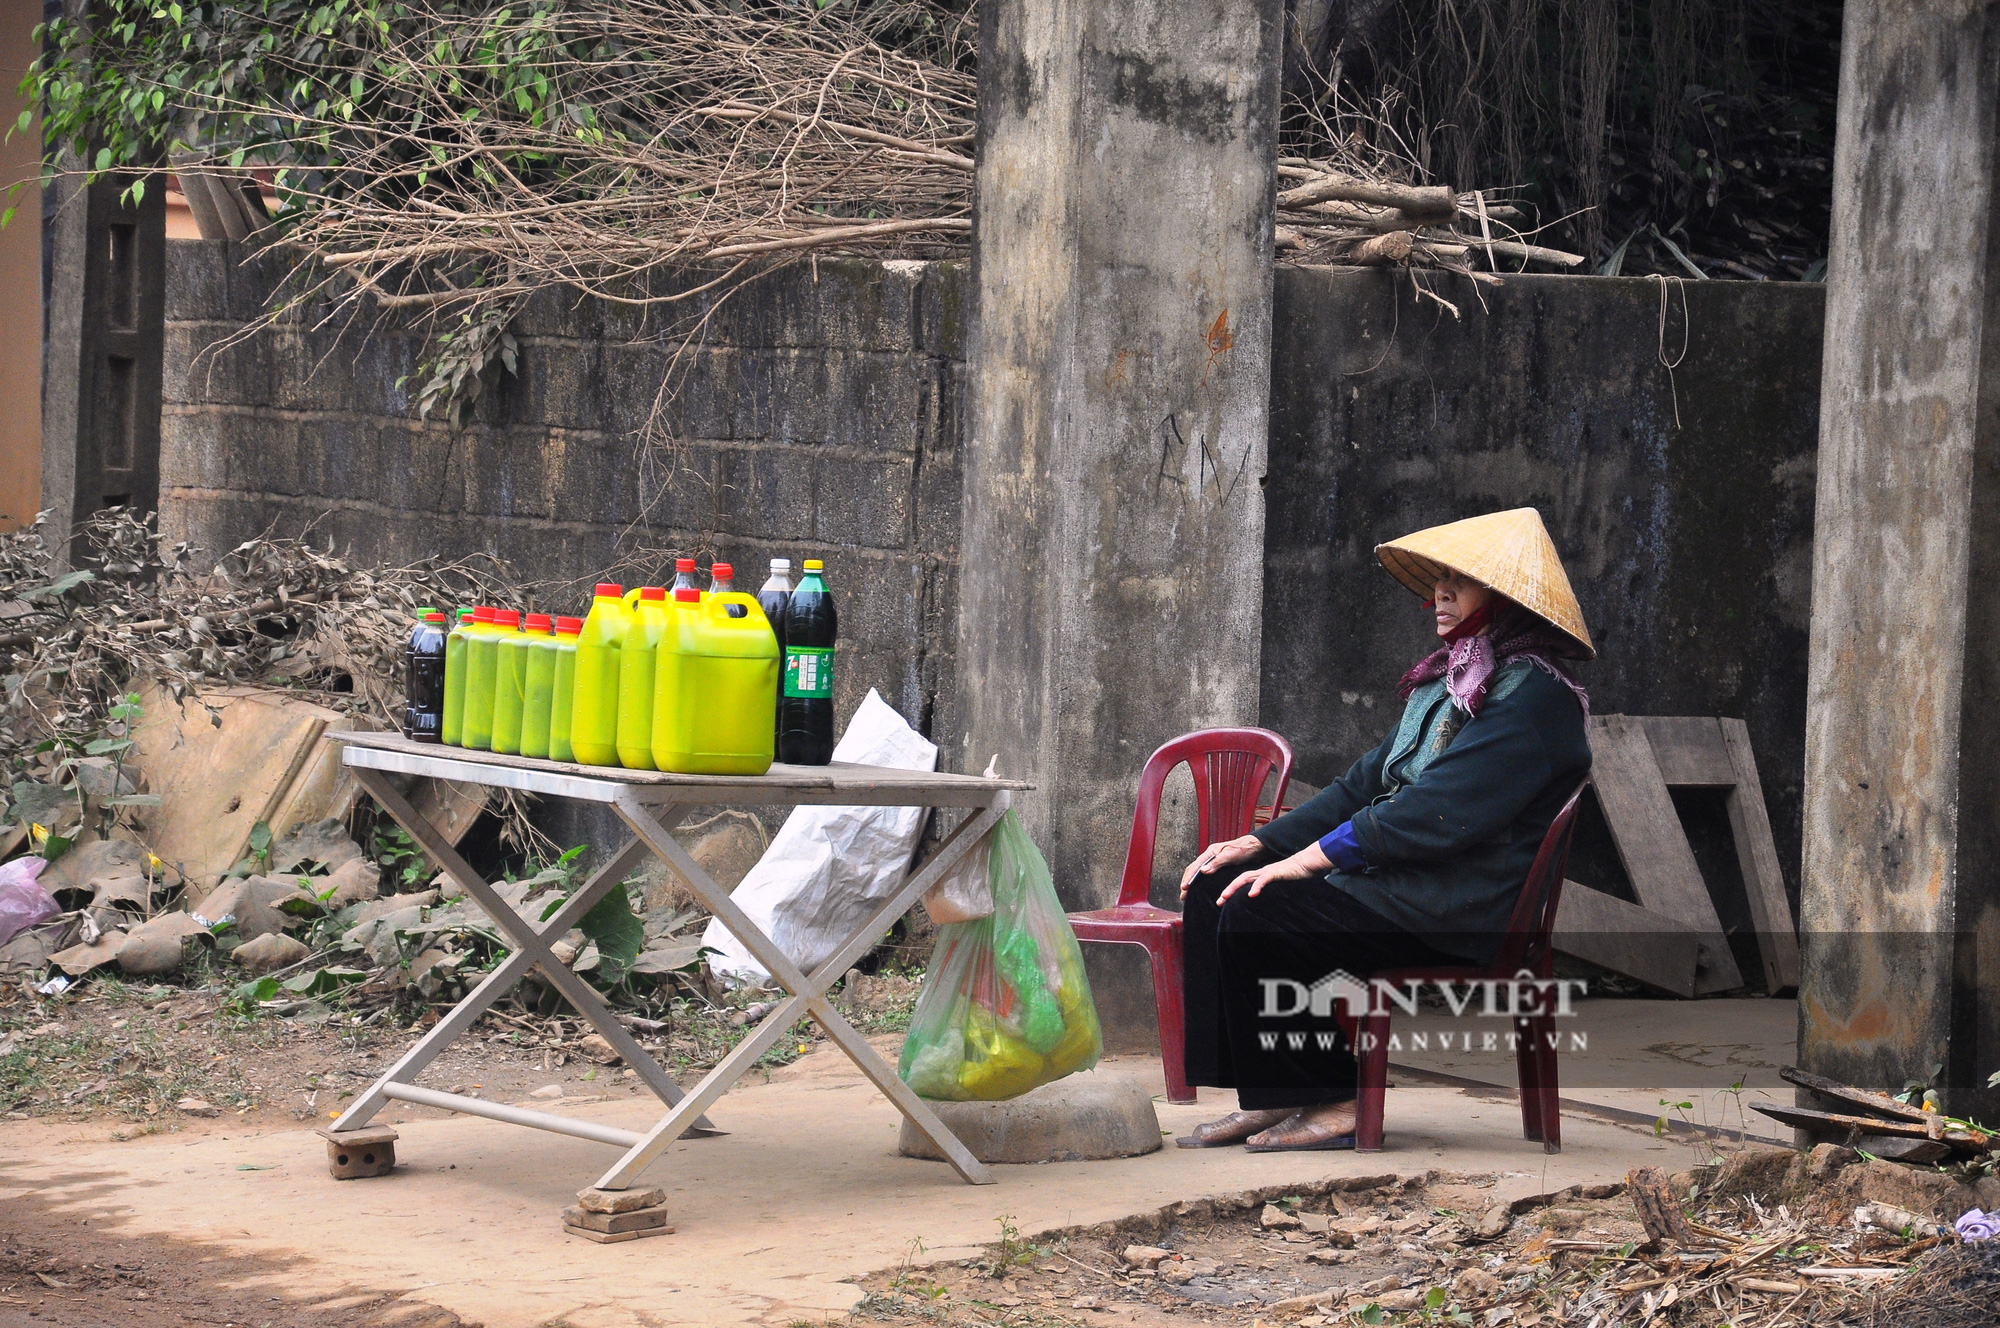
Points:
x=538, y=676
x=482, y=668
x=510, y=676
x=636, y=679
x=454, y=677
x=563, y=689
x=593, y=720
x=716, y=687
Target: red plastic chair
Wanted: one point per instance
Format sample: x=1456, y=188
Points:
x=1229, y=767
x=1529, y=945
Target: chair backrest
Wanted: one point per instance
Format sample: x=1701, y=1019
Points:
x=1531, y=930
x=1229, y=767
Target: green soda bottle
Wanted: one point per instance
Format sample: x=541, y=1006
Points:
x=635, y=679
x=593, y=720
x=510, y=676
x=482, y=671
x=564, y=689
x=454, y=676
x=538, y=685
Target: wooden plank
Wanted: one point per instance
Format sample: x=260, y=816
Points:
x=1689, y=750
x=325, y=787
x=1831, y=1123
x=450, y=806
x=1651, y=844
x=1757, y=852
x=837, y=776
x=216, y=782
x=1920, y=1152
x=1880, y=1103
x=1627, y=939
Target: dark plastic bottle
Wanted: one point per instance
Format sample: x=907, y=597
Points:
x=416, y=626
x=773, y=596
x=805, y=705
x=423, y=715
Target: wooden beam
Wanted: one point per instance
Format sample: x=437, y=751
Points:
x=1627, y=939
x=1757, y=852
x=1654, y=849
x=1689, y=750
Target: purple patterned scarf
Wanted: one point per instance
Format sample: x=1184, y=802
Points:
x=1467, y=665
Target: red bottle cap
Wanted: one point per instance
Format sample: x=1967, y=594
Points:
x=538, y=622
x=569, y=627
x=483, y=614
x=610, y=590
x=652, y=592
x=433, y=617
x=722, y=572
x=506, y=617
x=687, y=595
x=684, y=564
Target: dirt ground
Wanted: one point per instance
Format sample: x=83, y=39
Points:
x=56, y=1271
x=117, y=1062
x=1226, y=1266
x=124, y=1056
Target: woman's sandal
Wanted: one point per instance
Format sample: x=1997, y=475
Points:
x=1231, y=1129
x=1296, y=1134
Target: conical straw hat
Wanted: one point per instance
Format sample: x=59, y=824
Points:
x=1508, y=551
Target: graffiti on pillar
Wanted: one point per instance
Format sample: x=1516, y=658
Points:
x=1219, y=341
x=1212, y=476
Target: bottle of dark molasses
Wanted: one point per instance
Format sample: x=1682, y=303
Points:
x=423, y=715
x=805, y=708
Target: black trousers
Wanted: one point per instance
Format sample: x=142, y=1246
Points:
x=1251, y=965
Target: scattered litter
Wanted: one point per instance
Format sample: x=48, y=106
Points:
x=1975, y=1225
x=23, y=901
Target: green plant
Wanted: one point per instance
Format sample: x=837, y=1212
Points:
x=1012, y=1251
x=404, y=866
x=258, y=860
x=86, y=775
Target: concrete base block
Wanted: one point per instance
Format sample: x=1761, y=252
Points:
x=1078, y=1119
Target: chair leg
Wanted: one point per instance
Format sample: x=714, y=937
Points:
x=1549, y=1090
x=1168, y=997
x=1527, y=1069
x=1371, y=1047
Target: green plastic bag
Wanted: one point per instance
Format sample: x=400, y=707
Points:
x=1005, y=1006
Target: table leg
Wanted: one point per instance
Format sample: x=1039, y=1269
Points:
x=531, y=951
x=808, y=994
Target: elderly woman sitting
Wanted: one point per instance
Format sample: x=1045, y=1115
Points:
x=1414, y=858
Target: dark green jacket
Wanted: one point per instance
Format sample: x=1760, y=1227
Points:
x=1450, y=811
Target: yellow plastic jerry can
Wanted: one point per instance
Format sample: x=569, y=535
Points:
x=715, y=698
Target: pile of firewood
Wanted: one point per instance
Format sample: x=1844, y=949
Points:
x=1328, y=214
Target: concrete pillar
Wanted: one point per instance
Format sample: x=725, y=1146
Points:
x=1901, y=904
x=1116, y=400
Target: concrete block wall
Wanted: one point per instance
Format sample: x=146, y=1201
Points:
x=815, y=416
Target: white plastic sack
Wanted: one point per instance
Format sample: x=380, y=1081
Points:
x=830, y=868
x=964, y=894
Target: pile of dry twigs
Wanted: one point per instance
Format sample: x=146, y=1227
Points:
x=685, y=133
x=271, y=612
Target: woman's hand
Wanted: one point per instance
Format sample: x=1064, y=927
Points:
x=1308, y=861
x=1217, y=856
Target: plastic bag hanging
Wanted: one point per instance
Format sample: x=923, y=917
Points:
x=1005, y=1006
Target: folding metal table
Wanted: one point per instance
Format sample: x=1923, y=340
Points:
x=652, y=803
